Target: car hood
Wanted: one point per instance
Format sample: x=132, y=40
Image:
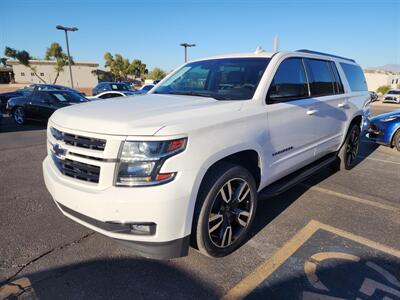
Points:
x=143, y=115
x=385, y=115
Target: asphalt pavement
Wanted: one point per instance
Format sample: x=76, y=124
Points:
x=335, y=235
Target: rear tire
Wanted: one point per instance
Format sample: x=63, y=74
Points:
x=348, y=152
x=19, y=115
x=396, y=140
x=225, y=210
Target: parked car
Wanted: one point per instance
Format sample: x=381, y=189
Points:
x=374, y=96
x=110, y=94
x=111, y=86
x=392, y=96
x=385, y=129
x=144, y=89
x=41, y=87
x=40, y=104
x=186, y=162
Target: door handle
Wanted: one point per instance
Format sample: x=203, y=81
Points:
x=311, y=112
x=342, y=105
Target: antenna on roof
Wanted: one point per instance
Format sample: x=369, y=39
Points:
x=276, y=42
x=258, y=50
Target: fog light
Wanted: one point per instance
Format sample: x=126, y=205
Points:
x=144, y=229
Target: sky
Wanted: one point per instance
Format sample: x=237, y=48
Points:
x=368, y=31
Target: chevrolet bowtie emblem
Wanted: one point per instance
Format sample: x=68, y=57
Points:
x=60, y=152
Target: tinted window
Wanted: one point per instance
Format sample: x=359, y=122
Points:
x=36, y=97
x=110, y=95
x=222, y=79
x=321, y=80
x=66, y=97
x=289, y=81
x=394, y=92
x=119, y=87
x=338, y=81
x=355, y=77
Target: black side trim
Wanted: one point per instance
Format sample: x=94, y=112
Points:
x=155, y=250
x=286, y=183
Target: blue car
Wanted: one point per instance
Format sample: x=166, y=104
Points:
x=385, y=129
x=111, y=86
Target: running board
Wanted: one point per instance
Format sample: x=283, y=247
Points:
x=289, y=181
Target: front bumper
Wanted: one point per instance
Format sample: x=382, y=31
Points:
x=167, y=206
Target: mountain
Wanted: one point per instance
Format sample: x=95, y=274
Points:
x=395, y=68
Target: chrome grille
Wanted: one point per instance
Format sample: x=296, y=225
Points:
x=78, y=140
x=77, y=169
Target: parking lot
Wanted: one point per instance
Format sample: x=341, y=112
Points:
x=335, y=236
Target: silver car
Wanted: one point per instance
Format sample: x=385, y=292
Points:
x=392, y=96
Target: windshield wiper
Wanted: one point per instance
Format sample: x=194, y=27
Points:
x=192, y=93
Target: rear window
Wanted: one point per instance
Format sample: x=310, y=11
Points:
x=119, y=87
x=394, y=92
x=322, y=80
x=355, y=77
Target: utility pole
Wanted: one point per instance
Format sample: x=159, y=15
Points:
x=186, y=45
x=66, y=29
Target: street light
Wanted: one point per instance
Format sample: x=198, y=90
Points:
x=66, y=29
x=186, y=45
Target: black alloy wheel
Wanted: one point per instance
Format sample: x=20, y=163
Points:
x=225, y=210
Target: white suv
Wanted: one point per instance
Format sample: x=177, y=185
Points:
x=185, y=164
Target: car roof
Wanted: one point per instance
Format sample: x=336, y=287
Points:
x=269, y=54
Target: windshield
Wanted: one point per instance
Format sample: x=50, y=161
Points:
x=67, y=97
x=119, y=87
x=222, y=79
x=394, y=92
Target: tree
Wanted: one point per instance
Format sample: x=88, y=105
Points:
x=138, y=68
x=121, y=68
x=156, y=74
x=383, y=89
x=3, y=61
x=23, y=57
x=55, y=52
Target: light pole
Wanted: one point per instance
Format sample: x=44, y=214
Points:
x=186, y=45
x=66, y=29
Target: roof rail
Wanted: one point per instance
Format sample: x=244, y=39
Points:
x=326, y=54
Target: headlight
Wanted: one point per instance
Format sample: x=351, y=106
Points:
x=140, y=162
x=391, y=118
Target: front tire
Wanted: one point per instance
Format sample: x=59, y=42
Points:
x=348, y=152
x=19, y=115
x=396, y=140
x=225, y=210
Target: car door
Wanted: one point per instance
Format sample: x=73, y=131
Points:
x=31, y=105
x=330, y=104
x=44, y=105
x=291, y=125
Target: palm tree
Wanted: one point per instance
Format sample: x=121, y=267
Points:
x=55, y=52
x=23, y=57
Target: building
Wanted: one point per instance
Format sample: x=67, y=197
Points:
x=6, y=74
x=83, y=73
x=376, y=79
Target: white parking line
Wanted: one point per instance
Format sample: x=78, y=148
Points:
x=353, y=198
x=380, y=160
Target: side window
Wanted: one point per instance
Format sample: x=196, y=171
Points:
x=338, y=82
x=321, y=78
x=109, y=95
x=289, y=82
x=355, y=77
x=36, y=97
